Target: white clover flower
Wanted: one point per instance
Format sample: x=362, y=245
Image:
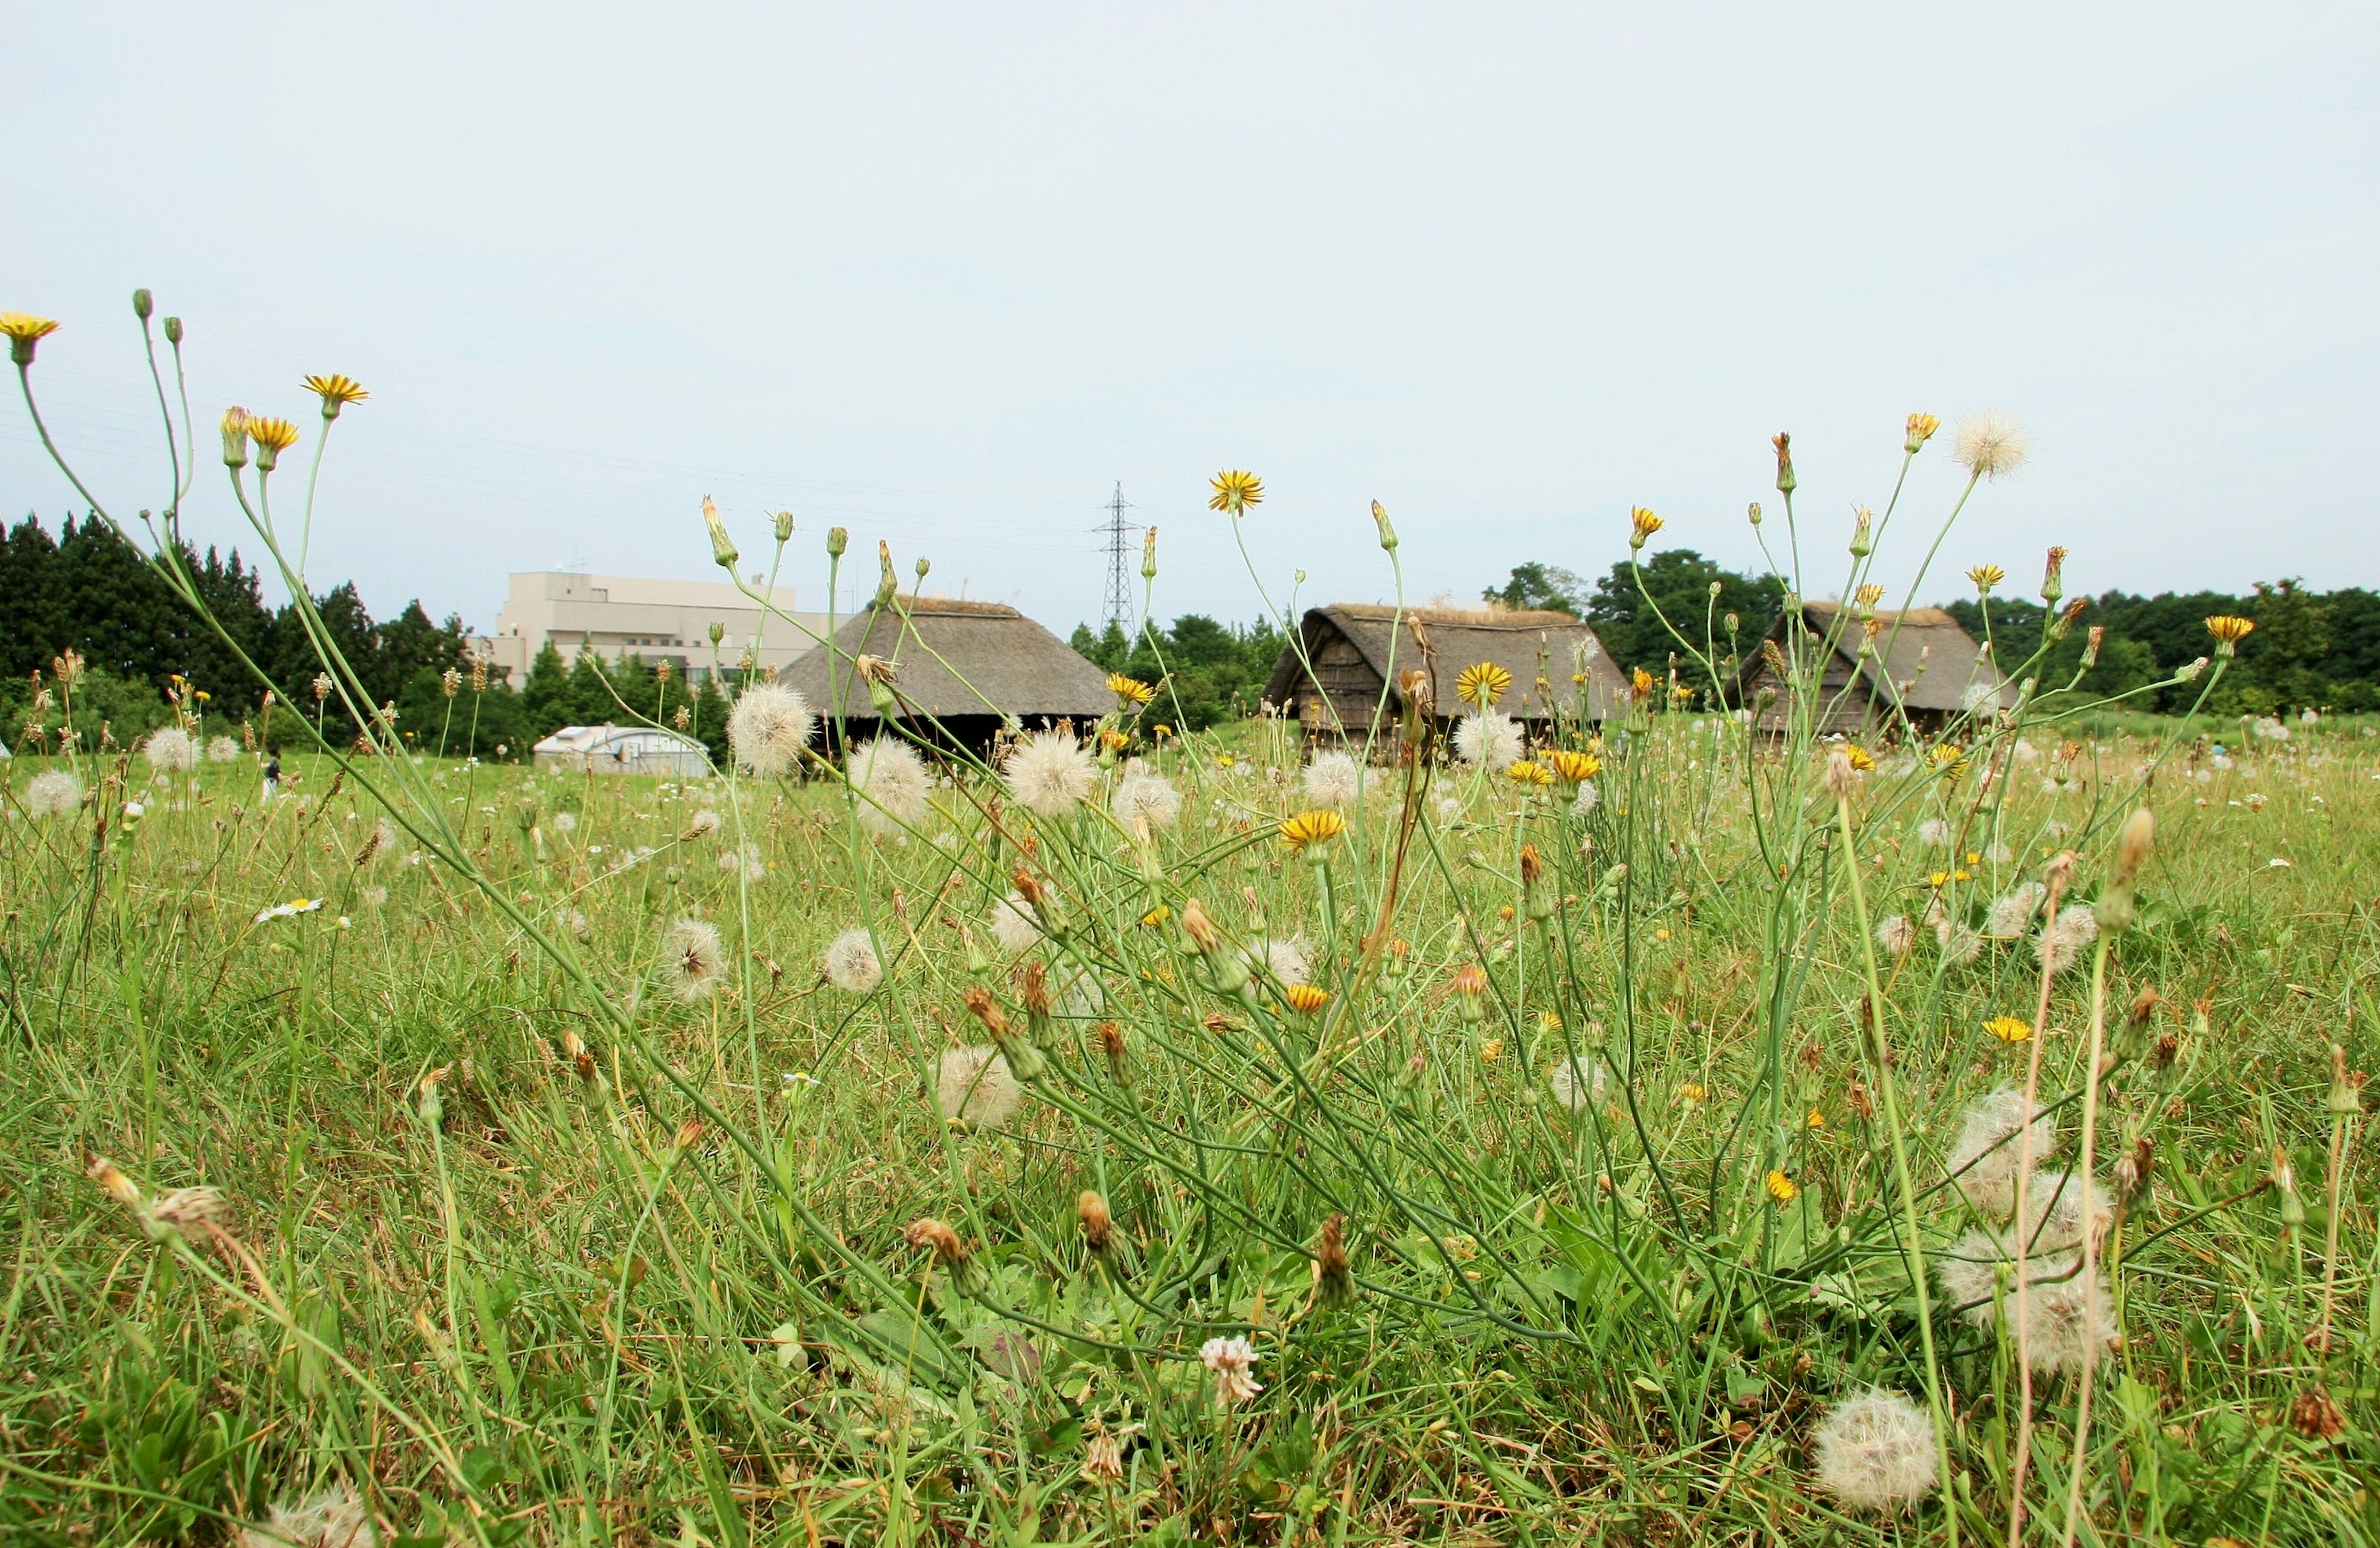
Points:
x=892, y=778
x=1876, y=1452
x=1050, y=773
x=851, y=963
x=1149, y=798
x=1489, y=739
x=1232, y=1360
x=768, y=729
x=54, y=792
x=1333, y=779
x=973, y=1087
x=693, y=959
x=170, y=750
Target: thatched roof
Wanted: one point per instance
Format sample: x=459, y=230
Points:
x=1459, y=637
x=955, y=658
x=1933, y=662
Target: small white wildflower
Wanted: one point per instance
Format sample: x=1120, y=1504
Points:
x=1232, y=1360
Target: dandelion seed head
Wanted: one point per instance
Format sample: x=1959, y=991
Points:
x=1985, y=1161
x=222, y=749
x=565, y=822
x=2009, y=915
x=1990, y=445
x=1587, y=799
x=705, y=823
x=973, y=1087
x=893, y=779
x=851, y=963
x=1050, y=773
x=2062, y=942
x=1333, y=779
x=748, y=863
x=1934, y=833
x=1013, y=924
x=54, y=792
x=1960, y=944
x=1577, y=1081
x=170, y=750
x=331, y=1518
x=1149, y=798
x=1488, y=738
x=693, y=959
x=1896, y=934
x=1876, y=1452
x=2063, y=1318
x=768, y=729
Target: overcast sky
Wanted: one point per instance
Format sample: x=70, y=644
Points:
x=944, y=275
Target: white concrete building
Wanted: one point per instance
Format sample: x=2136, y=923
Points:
x=658, y=620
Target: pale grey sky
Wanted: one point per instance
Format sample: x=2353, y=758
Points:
x=942, y=274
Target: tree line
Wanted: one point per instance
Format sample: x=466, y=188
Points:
x=1214, y=672
x=2318, y=650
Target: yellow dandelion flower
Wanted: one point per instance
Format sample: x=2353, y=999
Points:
x=1869, y=595
x=1862, y=760
x=1521, y=771
x=1161, y=730
x=1782, y=1188
x=1114, y=741
x=274, y=435
x=1962, y=874
x=1639, y=684
x=2010, y=1029
x=1482, y=685
x=1642, y=524
x=1306, y=999
x=1235, y=490
x=1938, y=879
x=1129, y=690
x=1491, y=1050
x=2229, y=631
x=336, y=392
x=1691, y=1091
x=1574, y=768
x=24, y=331
x=1157, y=915
x=1974, y=857
x=1306, y=829
x=1921, y=431
x=1816, y=1121
x=1986, y=576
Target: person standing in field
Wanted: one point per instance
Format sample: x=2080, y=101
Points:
x=272, y=778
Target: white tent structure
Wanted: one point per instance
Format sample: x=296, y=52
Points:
x=609, y=749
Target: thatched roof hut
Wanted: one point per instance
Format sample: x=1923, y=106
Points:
x=1934, y=665
x=1354, y=650
x=968, y=665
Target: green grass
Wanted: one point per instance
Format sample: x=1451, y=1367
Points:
x=534, y=1307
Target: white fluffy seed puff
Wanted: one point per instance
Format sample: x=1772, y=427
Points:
x=1333, y=779
x=768, y=729
x=1146, y=798
x=2009, y=915
x=1013, y=924
x=1934, y=833
x=1896, y=934
x=892, y=783
x=693, y=959
x=974, y=1089
x=851, y=963
x=1489, y=740
x=1050, y=773
x=1985, y=1162
x=2064, y=938
x=171, y=750
x=222, y=749
x=332, y=1517
x=1990, y=445
x=53, y=792
x=1876, y=1452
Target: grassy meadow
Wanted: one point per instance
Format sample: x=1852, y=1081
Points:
x=1561, y=1205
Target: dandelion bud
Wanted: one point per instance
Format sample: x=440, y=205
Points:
x=837, y=540
x=1200, y=929
x=1921, y=431
x=174, y=331
x=1470, y=988
x=2097, y=638
x=1110, y=1041
x=1097, y=1224
x=114, y=1183
x=143, y=303
x=938, y=1239
x=2133, y=846
x=1643, y=524
x=1730, y=620
x=1034, y=990
x=1148, y=554
x=722, y=547
x=689, y=1134
x=1864, y=534
x=1025, y=1060
x=235, y=437
x=2285, y=1182
x=783, y=521
x=718, y=633
x=1334, y=1279
x=1752, y=513
x=2133, y=1167
x=2053, y=577
x=2190, y=673
x=1784, y=444
x=2345, y=1101
x=433, y=1105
